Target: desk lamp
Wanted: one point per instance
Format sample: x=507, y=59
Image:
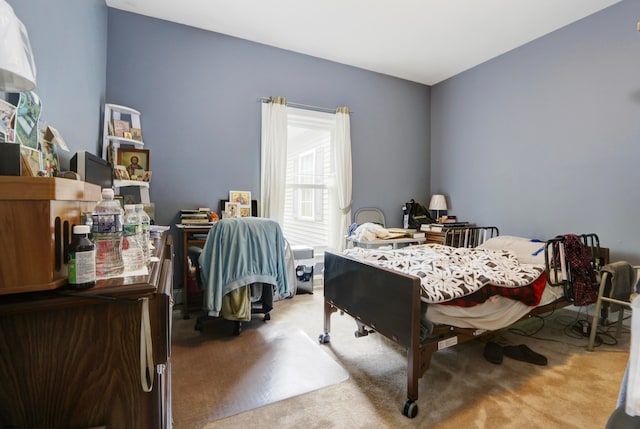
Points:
x=438, y=202
x=17, y=67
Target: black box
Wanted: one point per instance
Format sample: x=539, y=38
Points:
x=10, y=161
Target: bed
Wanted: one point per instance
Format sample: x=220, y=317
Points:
x=373, y=288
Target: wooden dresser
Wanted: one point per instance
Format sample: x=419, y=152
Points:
x=71, y=359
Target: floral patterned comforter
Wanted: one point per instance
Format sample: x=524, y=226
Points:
x=447, y=272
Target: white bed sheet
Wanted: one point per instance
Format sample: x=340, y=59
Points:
x=497, y=312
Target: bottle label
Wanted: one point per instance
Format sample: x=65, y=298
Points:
x=131, y=229
x=82, y=267
x=105, y=223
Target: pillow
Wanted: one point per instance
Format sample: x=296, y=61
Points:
x=526, y=250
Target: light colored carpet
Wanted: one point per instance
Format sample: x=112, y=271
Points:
x=224, y=374
x=577, y=389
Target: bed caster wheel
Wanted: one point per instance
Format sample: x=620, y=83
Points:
x=410, y=409
x=324, y=338
x=363, y=332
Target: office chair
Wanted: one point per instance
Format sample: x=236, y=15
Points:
x=369, y=214
x=243, y=269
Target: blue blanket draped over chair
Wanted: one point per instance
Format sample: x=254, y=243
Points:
x=239, y=252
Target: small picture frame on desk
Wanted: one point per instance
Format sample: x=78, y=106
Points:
x=243, y=199
x=240, y=197
x=231, y=210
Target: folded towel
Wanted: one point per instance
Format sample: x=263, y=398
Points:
x=622, y=281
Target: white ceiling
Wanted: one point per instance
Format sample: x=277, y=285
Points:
x=425, y=41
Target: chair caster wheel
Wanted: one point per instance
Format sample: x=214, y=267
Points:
x=410, y=409
x=237, y=329
x=324, y=338
x=267, y=316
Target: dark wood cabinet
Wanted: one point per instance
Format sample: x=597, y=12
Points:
x=72, y=359
x=191, y=236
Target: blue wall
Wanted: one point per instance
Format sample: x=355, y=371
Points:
x=545, y=139
x=540, y=141
x=69, y=43
x=198, y=93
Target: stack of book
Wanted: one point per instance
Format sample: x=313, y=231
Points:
x=405, y=233
x=438, y=227
x=195, y=216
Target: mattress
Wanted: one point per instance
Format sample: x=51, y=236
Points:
x=497, y=312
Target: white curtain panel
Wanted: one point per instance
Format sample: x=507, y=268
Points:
x=273, y=159
x=342, y=159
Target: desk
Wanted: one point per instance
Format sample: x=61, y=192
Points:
x=191, y=235
x=71, y=359
x=393, y=242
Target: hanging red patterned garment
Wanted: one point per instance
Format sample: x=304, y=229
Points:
x=583, y=276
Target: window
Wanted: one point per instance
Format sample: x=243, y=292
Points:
x=309, y=193
x=303, y=181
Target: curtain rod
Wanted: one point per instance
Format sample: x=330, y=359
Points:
x=304, y=106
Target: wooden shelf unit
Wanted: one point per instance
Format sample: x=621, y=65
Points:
x=115, y=112
x=72, y=358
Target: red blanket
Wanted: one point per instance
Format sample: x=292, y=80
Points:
x=529, y=294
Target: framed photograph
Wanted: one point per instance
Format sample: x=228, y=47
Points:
x=111, y=154
x=33, y=158
x=139, y=173
x=231, y=209
x=120, y=127
x=120, y=172
x=136, y=134
x=50, y=160
x=243, y=199
x=134, y=159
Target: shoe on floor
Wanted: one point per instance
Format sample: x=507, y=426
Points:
x=525, y=354
x=493, y=353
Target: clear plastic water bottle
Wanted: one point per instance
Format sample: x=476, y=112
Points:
x=132, y=240
x=107, y=236
x=145, y=221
